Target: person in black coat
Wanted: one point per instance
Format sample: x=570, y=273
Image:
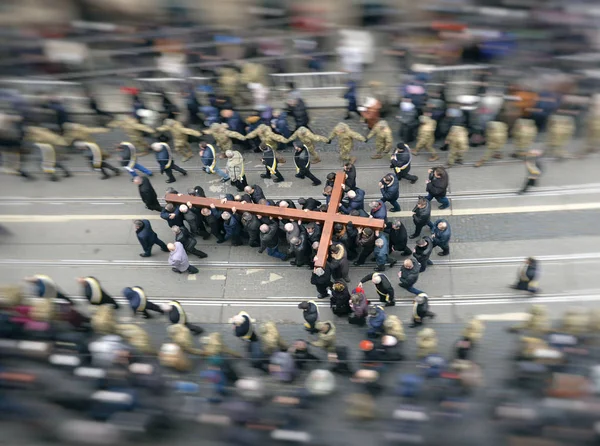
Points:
x=423, y=251
x=408, y=276
x=93, y=292
x=297, y=109
x=365, y=240
x=251, y=225
x=383, y=286
x=270, y=162
x=255, y=192
x=214, y=222
x=437, y=186
x=527, y=280
x=350, y=181
x=310, y=312
x=147, y=193
x=301, y=250
x=421, y=216
x=340, y=299
x=398, y=238
x=302, y=162
x=172, y=215
x=197, y=191
x=194, y=220
x=401, y=160
x=148, y=238
x=321, y=278
x=309, y=203
x=183, y=236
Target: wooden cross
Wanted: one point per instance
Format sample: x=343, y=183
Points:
x=327, y=219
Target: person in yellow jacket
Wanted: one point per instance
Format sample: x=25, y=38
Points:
x=222, y=136
x=135, y=132
x=383, y=139
x=345, y=137
x=97, y=158
x=45, y=140
x=524, y=133
x=496, y=135
x=560, y=131
x=308, y=138
x=426, y=136
x=180, y=134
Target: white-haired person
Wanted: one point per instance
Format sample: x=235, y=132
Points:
x=178, y=259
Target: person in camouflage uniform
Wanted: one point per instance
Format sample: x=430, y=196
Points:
x=383, y=139
x=179, y=133
x=346, y=138
x=524, y=133
x=496, y=135
x=45, y=140
x=327, y=336
x=426, y=136
x=268, y=137
x=560, y=131
x=592, y=132
x=427, y=342
x=222, y=136
x=136, y=336
x=79, y=132
x=458, y=144
x=135, y=132
x=308, y=138
x=214, y=346
x=270, y=338
x=229, y=82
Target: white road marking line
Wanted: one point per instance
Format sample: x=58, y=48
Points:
x=253, y=271
x=218, y=277
x=457, y=212
x=191, y=277
x=504, y=317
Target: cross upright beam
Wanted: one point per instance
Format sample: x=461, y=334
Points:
x=327, y=219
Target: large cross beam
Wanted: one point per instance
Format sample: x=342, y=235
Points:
x=327, y=219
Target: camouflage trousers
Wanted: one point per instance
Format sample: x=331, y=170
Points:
x=345, y=154
x=382, y=148
x=183, y=148
x=425, y=143
x=521, y=148
x=456, y=154
x=494, y=149
x=313, y=152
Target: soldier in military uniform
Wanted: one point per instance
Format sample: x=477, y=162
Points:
x=496, y=135
x=592, y=131
x=383, y=139
x=427, y=343
x=135, y=132
x=81, y=133
x=229, y=82
x=222, y=136
x=538, y=321
x=327, y=336
x=426, y=136
x=180, y=134
x=458, y=144
x=560, y=131
x=271, y=340
x=45, y=140
x=268, y=137
x=270, y=162
x=346, y=139
x=308, y=138
x=524, y=133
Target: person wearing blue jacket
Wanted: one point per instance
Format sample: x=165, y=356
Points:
x=164, y=156
x=148, y=238
x=233, y=228
x=376, y=319
x=389, y=187
x=381, y=252
x=233, y=120
x=378, y=210
x=441, y=236
x=356, y=201
x=350, y=96
x=139, y=303
x=208, y=155
x=172, y=215
x=280, y=125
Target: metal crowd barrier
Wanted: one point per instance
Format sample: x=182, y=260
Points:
x=310, y=84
